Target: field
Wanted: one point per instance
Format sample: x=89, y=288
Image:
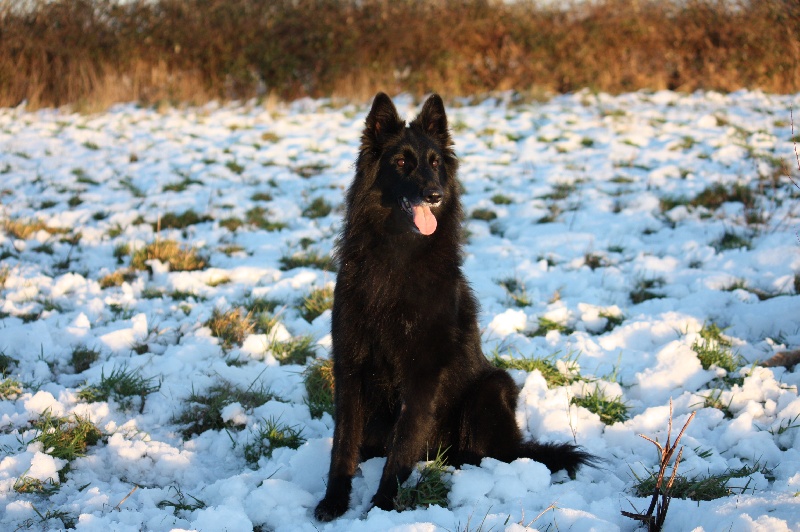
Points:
x=166, y=277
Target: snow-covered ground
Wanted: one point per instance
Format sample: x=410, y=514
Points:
x=586, y=214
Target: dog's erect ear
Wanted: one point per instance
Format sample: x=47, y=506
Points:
x=433, y=120
x=382, y=120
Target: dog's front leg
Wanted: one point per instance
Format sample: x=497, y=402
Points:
x=347, y=435
x=410, y=436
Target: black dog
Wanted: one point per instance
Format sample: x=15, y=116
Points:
x=409, y=372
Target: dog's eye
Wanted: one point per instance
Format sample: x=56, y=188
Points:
x=435, y=163
x=401, y=162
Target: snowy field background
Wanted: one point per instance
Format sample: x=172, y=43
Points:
x=613, y=236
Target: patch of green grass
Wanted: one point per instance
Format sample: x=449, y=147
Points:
x=554, y=211
x=257, y=216
x=622, y=180
x=261, y=196
x=117, y=278
x=48, y=305
x=231, y=224
x=23, y=229
x=65, y=437
x=545, y=325
x=122, y=385
x=546, y=366
x=10, y=388
x=141, y=347
x=307, y=171
x=686, y=143
x=233, y=249
x=270, y=136
x=613, y=320
x=50, y=518
x=667, y=203
x=610, y=410
x=309, y=258
x=181, y=186
x=120, y=311
x=127, y=183
x=45, y=248
x=561, y=190
x=714, y=349
x=29, y=317
x=319, y=383
x=714, y=400
x=487, y=215
x=646, y=289
x=152, y=292
x=595, y=260
x=316, y=302
x=235, y=167
x=83, y=357
x=258, y=305
x=218, y=281
x=26, y=484
x=430, y=487
x=182, y=503
x=6, y=363
x=183, y=295
x=741, y=284
x=269, y=435
x=183, y=220
x=231, y=326
x=204, y=411
x=713, y=196
x=261, y=315
x=732, y=240
x=700, y=488
x=169, y=251
x=501, y=199
x=120, y=250
x=294, y=351
x=318, y=208
x=785, y=425
x=5, y=273
x=516, y=291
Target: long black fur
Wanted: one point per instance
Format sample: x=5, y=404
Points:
x=409, y=371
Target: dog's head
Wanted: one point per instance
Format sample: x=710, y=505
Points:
x=413, y=167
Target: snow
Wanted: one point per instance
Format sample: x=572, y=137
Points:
x=582, y=176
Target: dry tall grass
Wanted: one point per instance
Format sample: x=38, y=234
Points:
x=94, y=52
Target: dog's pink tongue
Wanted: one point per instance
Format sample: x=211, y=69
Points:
x=424, y=219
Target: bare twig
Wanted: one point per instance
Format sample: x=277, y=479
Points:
x=797, y=158
x=656, y=522
x=125, y=498
x=796, y=155
x=553, y=506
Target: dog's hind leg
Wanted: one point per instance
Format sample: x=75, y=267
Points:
x=487, y=425
x=489, y=428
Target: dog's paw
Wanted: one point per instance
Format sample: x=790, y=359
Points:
x=330, y=508
x=383, y=502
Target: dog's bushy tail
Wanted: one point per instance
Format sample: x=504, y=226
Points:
x=558, y=456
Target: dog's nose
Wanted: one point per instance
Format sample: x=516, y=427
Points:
x=432, y=195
